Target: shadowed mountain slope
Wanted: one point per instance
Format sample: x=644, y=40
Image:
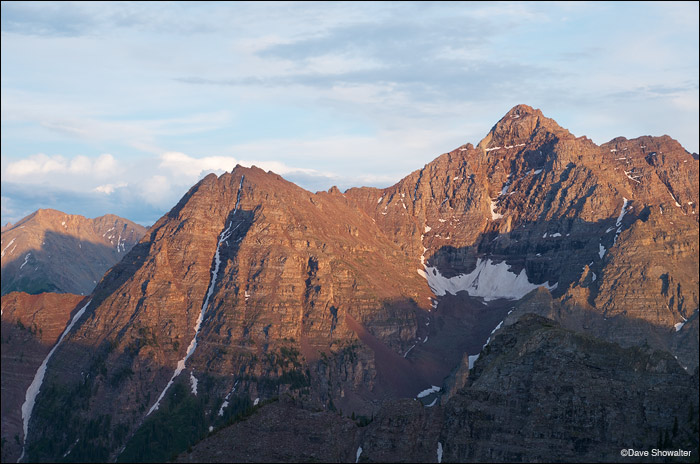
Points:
x=50, y=251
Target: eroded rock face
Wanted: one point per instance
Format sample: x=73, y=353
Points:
x=51, y=251
x=31, y=324
x=615, y=226
x=253, y=288
x=540, y=391
x=309, y=295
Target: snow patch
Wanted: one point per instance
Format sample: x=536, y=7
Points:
x=556, y=235
x=679, y=326
x=601, y=250
x=630, y=175
x=214, y=274
x=225, y=403
x=26, y=258
x=472, y=360
x=257, y=400
x=357, y=455
x=431, y=404
x=35, y=387
x=8, y=246
x=497, y=327
x=494, y=214
x=424, y=393
x=504, y=190
x=427, y=229
x=409, y=350
x=439, y=452
x=193, y=383
x=618, y=222
x=674, y=199
x=489, y=281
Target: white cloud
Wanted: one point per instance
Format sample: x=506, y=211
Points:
x=38, y=167
x=185, y=166
x=109, y=189
x=80, y=164
x=157, y=191
x=105, y=164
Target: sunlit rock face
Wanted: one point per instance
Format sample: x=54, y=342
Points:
x=51, y=251
x=252, y=288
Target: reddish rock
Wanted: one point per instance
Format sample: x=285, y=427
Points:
x=317, y=295
x=51, y=251
x=31, y=324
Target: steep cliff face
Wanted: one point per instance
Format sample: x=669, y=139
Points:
x=254, y=284
x=253, y=288
x=31, y=324
x=51, y=251
x=540, y=391
x=611, y=229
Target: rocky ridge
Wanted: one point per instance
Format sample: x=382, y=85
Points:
x=252, y=288
x=51, y=251
x=539, y=391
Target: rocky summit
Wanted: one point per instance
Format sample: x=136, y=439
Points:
x=51, y=251
x=382, y=314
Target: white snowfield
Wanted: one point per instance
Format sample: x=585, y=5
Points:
x=489, y=281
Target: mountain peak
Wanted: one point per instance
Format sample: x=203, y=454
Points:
x=522, y=110
x=522, y=124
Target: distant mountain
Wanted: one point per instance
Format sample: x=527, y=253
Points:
x=252, y=289
x=51, y=251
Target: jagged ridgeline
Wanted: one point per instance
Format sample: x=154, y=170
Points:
x=252, y=290
x=51, y=251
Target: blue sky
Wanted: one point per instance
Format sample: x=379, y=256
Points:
x=120, y=108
